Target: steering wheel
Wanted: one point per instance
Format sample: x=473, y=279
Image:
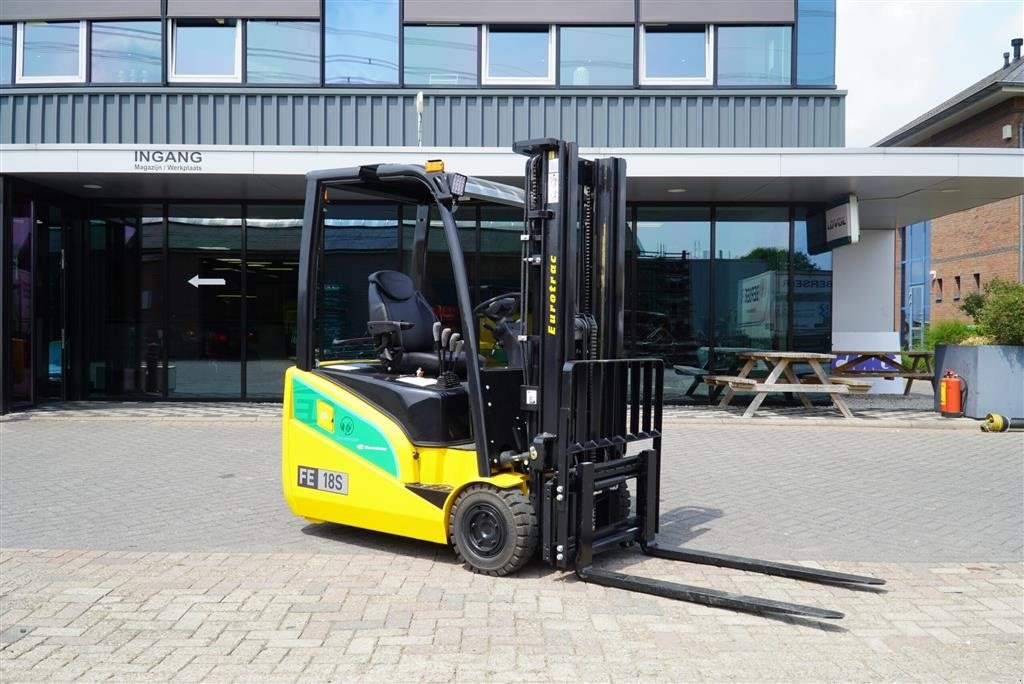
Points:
x=498, y=308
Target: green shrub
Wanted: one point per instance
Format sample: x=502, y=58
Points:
x=1002, y=314
x=972, y=304
x=945, y=332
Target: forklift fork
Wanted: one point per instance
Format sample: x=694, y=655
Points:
x=643, y=527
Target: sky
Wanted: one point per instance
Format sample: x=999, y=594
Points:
x=899, y=58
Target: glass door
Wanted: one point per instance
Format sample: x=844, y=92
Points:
x=51, y=305
x=205, y=333
x=20, y=304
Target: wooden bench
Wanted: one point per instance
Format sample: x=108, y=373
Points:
x=919, y=367
x=858, y=386
x=836, y=385
x=887, y=375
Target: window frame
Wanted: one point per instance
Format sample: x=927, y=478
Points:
x=19, y=56
x=317, y=78
x=485, y=57
x=404, y=64
x=172, y=39
x=791, y=55
x=89, y=56
x=709, y=58
x=631, y=83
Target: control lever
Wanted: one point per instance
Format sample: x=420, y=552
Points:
x=437, y=344
x=452, y=346
x=446, y=336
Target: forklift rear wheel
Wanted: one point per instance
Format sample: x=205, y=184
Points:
x=493, y=531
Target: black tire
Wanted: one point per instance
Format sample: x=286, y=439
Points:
x=493, y=531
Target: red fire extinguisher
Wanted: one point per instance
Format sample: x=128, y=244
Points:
x=950, y=395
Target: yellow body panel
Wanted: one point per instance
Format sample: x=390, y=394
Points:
x=321, y=430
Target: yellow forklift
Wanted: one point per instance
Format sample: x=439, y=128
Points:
x=553, y=452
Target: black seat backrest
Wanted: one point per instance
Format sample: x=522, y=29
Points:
x=392, y=298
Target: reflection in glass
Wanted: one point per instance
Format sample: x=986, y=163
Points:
x=6, y=53
x=282, y=52
x=205, y=47
x=595, y=55
x=669, y=310
x=754, y=55
x=358, y=240
x=517, y=54
x=440, y=55
x=273, y=234
x=124, y=301
x=204, y=273
x=751, y=271
x=51, y=49
x=125, y=52
x=361, y=41
x=816, y=42
x=20, y=303
x=675, y=53
x=812, y=292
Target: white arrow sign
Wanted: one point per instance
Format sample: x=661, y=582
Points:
x=196, y=281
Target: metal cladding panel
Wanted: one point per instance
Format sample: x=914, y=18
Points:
x=260, y=9
x=29, y=10
x=519, y=12
x=661, y=119
x=717, y=11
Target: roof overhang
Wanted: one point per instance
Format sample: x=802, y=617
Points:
x=895, y=186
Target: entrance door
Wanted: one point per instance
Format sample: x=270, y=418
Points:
x=38, y=296
x=206, y=339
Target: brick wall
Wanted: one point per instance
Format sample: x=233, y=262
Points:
x=984, y=240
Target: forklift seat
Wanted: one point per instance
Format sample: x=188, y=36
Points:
x=392, y=297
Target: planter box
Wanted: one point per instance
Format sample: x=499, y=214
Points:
x=994, y=375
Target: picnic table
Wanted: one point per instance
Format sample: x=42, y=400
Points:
x=724, y=361
x=919, y=368
x=782, y=367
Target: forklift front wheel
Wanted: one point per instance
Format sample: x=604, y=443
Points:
x=493, y=531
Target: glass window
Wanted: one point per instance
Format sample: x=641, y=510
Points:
x=676, y=55
x=282, y=52
x=440, y=55
x=124, y=296
x=51, y=51
x=272, y=236
x=361, y=41
x=205, y=340
x=751, y=275
x=669, y=317
x=816, y=42
x=126, y=52
x=519, y=56
x=357, y=240
x=812, y=292
x=754, y=55
x=206, y=50
x=6, y=53
x=595, y=55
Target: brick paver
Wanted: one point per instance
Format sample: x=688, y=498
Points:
x=162, y=550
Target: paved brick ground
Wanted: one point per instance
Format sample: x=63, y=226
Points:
x=161, y=550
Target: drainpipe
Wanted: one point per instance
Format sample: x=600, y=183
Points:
x=1020, y=217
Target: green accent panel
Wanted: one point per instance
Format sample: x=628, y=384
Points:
x=350, y=431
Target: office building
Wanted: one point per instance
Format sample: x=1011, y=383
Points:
x=154, y=152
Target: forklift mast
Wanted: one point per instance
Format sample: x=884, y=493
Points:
x=586, y=406
x=579, y=391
